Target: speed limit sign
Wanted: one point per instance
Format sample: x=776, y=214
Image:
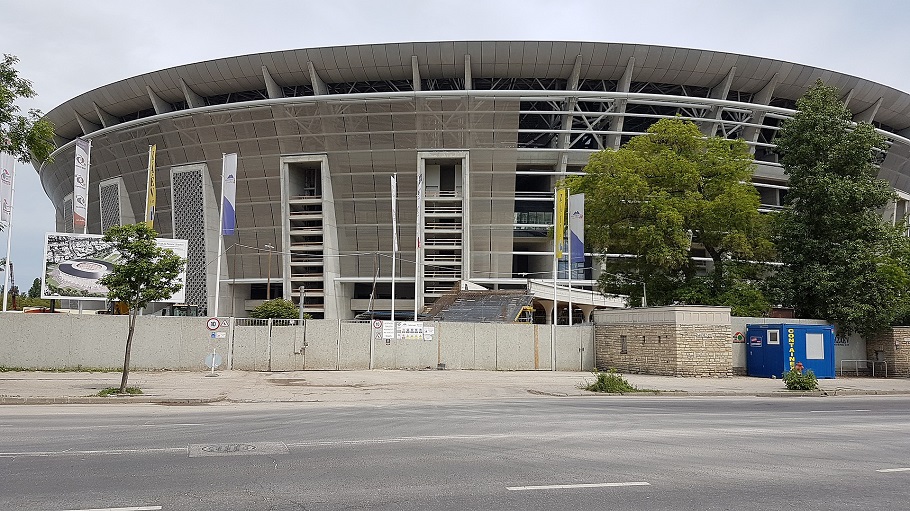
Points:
x=213, y=323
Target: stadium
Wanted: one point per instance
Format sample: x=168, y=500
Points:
x=486, y=129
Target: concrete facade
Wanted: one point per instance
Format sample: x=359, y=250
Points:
x=673, y=341
x=487, y=128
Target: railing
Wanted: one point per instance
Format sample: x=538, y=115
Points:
x=266, y=322
x=869, y=364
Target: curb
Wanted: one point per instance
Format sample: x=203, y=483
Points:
x=114, y=400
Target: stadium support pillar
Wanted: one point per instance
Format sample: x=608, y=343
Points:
x=762, y=97
x=161, y=106
x=719, y=91
x=868, y=115
x=619, y=106
x=192, y=99
x=271, y=86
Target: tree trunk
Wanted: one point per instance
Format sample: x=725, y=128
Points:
x=126, y=355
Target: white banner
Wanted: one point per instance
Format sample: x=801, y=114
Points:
x=7, y=169
x=419, y=210
x=395, y=212
x=80, y=184
x=577, y=227
x=229, y=194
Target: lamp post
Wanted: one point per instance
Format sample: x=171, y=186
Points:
x=268, y=285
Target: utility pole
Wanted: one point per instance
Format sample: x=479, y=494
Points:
x=268, y=285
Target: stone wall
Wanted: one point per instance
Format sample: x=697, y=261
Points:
x=894, y=348
x=673, y=341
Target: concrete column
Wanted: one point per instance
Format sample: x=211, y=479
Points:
x=586, y=310
x=548, y=308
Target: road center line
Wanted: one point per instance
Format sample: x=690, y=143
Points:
x=905, y=469
x=591, y=485
x=140, y=508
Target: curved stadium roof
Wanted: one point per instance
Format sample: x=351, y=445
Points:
x=442, y=66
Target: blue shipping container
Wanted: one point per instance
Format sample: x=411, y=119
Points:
x=772, y=350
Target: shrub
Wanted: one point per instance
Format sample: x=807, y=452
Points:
x=800, y=380
x=610, y=381
x=276, y=309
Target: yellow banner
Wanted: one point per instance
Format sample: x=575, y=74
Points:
x=559, y=230
x=150, y=192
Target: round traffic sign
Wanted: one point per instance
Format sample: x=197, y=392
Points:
x=213, y=323
x=377, y=323
x=212, y=360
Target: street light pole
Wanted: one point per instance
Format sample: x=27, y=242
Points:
x=268, y=285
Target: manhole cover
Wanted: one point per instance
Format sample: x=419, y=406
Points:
x=237, y=449
x=228, y=448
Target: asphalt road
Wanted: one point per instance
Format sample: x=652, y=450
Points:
x=636, y=453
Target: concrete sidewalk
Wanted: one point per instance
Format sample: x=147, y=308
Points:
x=184, y=387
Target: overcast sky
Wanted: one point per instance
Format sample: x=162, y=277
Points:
x=67, y=48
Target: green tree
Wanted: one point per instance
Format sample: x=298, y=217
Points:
x=664, y=194
x=27, y=137
x=35, y=290
x=145, y=273
x=276, y=309
x=843, y=261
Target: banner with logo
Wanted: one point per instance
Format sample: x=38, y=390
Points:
x=395, y=212
x=559, y=225
x=80, y=184
x=577, y=227
x=150, y=191
x=7, y=168
x=229, y=194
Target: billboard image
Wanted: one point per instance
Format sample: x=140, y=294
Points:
x=74, y=263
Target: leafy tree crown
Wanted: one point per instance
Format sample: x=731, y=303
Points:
x=146, y=272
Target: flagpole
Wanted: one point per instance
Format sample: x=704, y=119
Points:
x=555, y=268
x=88, y=170
x=220, y=241
x=9, y=234
x=394, y=243
x=570, y=263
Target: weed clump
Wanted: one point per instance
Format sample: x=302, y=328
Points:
x=610, y=381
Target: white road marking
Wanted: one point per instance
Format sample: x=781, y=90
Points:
x=140, y=508
x=592, y=485
x=36, y=454
x=906, y=469
x=837, y=411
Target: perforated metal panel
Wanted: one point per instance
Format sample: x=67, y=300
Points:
x=110, y=204
x=189, y=224
x=68, y=214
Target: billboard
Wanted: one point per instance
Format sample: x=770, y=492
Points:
x=75, y=262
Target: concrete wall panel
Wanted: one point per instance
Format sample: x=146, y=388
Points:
x=485, y=351
x=321, y=351
x=456, y=345
x=354, y=346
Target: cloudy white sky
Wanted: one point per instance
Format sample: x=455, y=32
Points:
x=67, y=48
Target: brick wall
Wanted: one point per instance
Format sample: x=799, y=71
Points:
x=894, y=346
x=672, y=341
x=649, y=349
